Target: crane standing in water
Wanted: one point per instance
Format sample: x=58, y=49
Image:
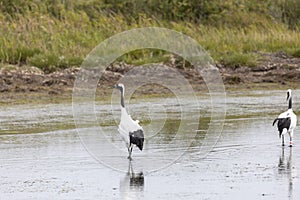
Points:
x=287, y=121
x=130, y=130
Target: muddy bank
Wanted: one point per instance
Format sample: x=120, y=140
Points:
x=274, y=70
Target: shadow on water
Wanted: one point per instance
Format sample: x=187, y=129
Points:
x=132, y=185
x=285, y=168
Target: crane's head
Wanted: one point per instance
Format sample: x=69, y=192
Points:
x=289, y=94
x=120, y=87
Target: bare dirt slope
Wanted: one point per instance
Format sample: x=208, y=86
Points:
x=23, y=82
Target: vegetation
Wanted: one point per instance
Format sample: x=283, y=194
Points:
x=55, y=34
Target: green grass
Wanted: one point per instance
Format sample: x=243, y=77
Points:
x=294, y=52
x=55, y=36
x=234, y=59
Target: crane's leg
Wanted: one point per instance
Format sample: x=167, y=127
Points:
x=129, y=152
x=282, y=136
x=291, y=137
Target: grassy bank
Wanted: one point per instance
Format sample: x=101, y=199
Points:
x=54, y=34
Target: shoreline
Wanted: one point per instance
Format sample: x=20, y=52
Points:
x=25, y=84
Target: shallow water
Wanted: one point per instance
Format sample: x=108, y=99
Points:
x=247, y=161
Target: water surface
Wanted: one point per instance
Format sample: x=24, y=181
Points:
x=51, y=162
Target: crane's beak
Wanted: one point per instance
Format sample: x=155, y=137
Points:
x=115, y=86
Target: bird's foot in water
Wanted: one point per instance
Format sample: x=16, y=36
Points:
x=291, y=144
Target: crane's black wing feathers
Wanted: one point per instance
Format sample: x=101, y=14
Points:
x=137, y=138
x=282, y=124
x=275, y=121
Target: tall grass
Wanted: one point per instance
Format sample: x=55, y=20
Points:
x=52, y=35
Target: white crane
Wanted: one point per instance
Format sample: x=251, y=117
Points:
x=287, y=121
x=130, y=130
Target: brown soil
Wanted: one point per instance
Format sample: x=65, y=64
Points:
x=29, y=84
x=273, y=68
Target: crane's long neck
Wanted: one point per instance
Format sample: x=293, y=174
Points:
x=122, y=98
x=290, y=102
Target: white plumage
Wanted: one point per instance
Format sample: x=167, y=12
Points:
x=127, y=125
x=130, y=130
x=286, y=121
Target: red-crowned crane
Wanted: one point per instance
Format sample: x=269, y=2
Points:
x=287, y=121
x=130, y=130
